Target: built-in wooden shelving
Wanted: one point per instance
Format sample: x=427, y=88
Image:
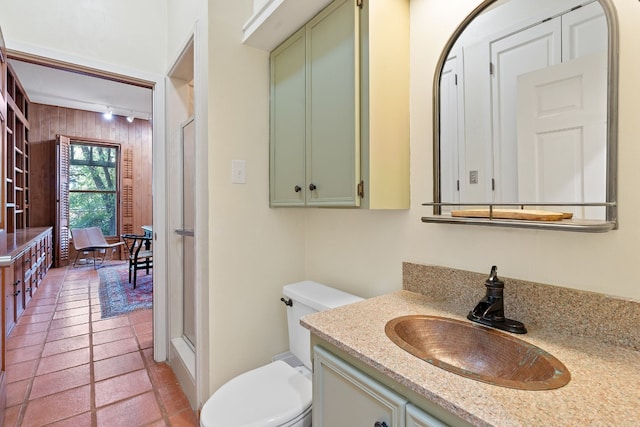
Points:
x=17, y=155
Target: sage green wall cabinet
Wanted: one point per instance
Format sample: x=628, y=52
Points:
x=340, y=109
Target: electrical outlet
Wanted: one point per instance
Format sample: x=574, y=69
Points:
x=473, y=177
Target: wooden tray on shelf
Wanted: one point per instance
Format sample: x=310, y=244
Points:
x=526, y=214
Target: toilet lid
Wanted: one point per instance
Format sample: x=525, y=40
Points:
x=268, y=396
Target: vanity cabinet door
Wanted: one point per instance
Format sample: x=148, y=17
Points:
x=344, y=396
x=416, y=417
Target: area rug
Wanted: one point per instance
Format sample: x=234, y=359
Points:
x=117, y=295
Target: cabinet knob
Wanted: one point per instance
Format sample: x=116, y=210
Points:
x=16, y=293
x=380, y=424
x=297, y=189
x=17, y=282
x=312, y=187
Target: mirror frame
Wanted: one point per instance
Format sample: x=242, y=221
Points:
x=610, y=204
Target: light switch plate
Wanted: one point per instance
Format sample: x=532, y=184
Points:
x=238, y=171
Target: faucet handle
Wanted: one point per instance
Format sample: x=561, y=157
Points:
x=493, y=280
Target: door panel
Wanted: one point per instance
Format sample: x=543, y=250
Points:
x=288, y=88
x=584, y=32
x=562, y=127
x=451, y=131
x=333, y=132
x=528, y=50
x=345, y=396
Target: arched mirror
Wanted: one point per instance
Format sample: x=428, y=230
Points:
x=525, y=127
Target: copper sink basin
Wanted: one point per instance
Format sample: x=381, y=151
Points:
x=477, y=352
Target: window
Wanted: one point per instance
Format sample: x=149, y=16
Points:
x=93, y=187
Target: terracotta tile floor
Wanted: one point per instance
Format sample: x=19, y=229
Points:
x=66, y=366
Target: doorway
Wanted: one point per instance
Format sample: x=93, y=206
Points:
x=74, y=83
x=186, y=201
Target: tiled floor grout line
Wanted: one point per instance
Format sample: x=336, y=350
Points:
x=92, y=372
x=32, y=377
x=61, y=293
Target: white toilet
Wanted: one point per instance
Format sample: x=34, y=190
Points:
x=277, y=394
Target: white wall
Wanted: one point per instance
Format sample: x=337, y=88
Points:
x=362, y=251
x=131, y=34
x=253, y=250
x=182, y=17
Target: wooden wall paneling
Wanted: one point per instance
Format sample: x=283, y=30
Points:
x=53, y=122
x=34, y=134
x=42, y=179
x=76, y=117
x=78, y=125
x=143, y=172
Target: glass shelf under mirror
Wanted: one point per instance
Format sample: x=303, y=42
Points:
x=524, y=215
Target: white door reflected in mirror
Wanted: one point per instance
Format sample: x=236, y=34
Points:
x=562, y=123
x=509, y=62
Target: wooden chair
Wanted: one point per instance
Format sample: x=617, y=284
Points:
x=92, y=240
x=140, y=254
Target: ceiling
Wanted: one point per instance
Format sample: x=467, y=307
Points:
x=53, y=86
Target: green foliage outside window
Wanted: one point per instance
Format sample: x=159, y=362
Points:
x=93, y=186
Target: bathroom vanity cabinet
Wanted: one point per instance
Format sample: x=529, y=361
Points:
x=345, y=396
x=339, y=130
x=582, y=338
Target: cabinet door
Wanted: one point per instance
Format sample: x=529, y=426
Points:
x=345, y=397
x=21, y=265
x=49, y=251
x=28, y=288
x=333, y=121
x=9, y=305
x=288, y=117
x=416, y=417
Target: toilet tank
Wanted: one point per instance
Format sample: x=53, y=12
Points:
x=309, y=297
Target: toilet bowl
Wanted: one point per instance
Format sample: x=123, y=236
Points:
x=279, y=393
x=273, y=395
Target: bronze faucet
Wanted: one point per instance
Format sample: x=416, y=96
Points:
x=490, y=310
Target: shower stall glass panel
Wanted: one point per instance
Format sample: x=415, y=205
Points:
x=187, y=232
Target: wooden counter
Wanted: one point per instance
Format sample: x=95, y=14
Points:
x=12, y=244
x=25, y=258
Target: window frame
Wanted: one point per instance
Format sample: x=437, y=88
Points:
x=118, y=177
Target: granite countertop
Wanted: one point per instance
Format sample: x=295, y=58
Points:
x=604, y=377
